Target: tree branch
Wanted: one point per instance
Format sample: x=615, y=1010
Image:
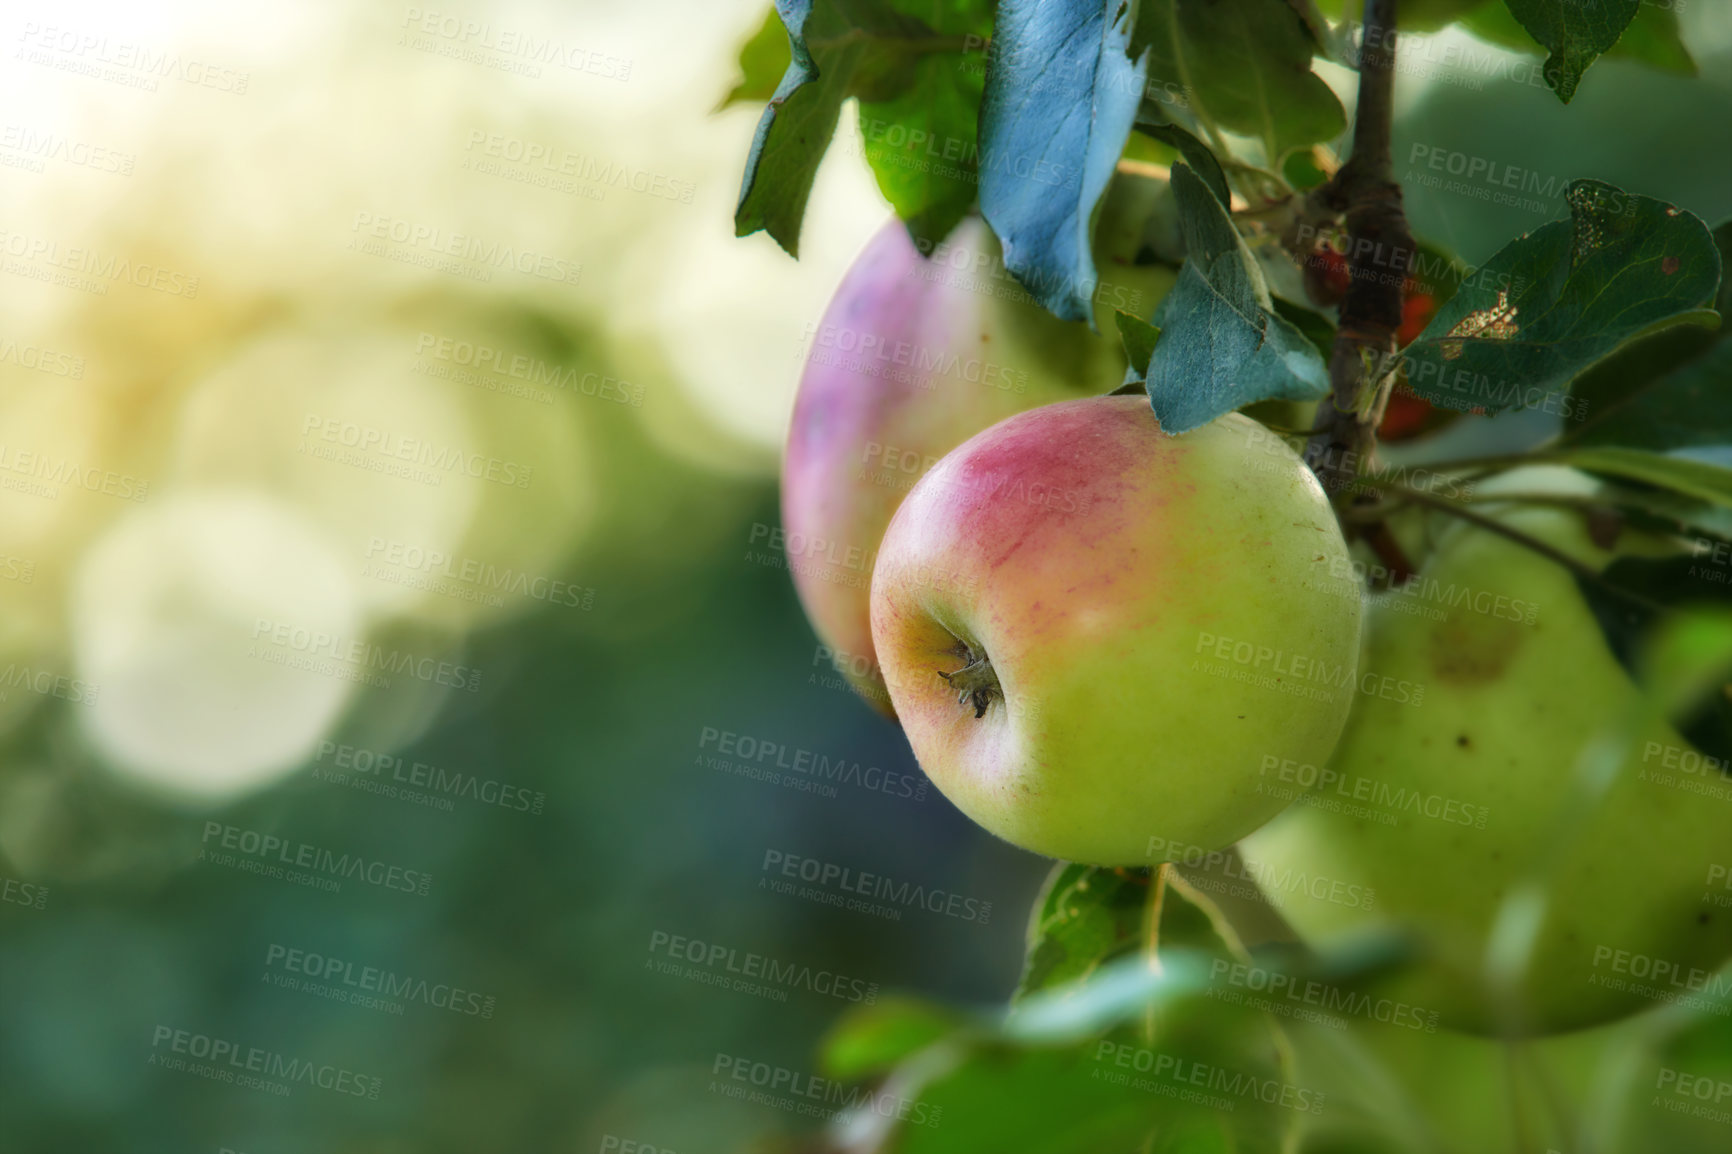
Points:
x=1380, y=249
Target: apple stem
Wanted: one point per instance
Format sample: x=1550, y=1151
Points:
x=1380, y=249
x=976, y=683
x=1152, y=933
x=1152, y=917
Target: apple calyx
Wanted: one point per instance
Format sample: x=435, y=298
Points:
x=975, y=683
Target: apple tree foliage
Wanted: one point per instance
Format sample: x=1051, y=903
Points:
x=1142, y=1021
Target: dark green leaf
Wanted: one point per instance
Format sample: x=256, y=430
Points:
x=795, y=129
x=763, y=60
x=1244, y=66
x=1652, y=38
x=1555, y=301
x=1222, y=346
x=1644, y=605
x=1061, y=96
x=1574, y=32
x=1666, y=391
x=1686, y=404
x=1196, y=154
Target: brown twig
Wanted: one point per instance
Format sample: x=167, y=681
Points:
x=1389, y=551
x=1379, y=250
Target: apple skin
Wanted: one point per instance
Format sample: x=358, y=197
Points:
x=1092, y=558
x=861, y=436
x=1508, y=708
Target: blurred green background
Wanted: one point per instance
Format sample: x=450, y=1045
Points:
x=338, y=177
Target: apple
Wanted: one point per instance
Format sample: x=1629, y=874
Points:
x=1439, y=1088
x=1444, y=810
x=1095, y=633
x=914, y=355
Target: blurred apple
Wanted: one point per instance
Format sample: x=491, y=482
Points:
x=1470, y=788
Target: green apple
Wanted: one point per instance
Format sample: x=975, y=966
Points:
x=1444, y=810
x=915, y=354
x=1095, y=633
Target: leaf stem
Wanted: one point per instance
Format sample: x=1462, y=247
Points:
x=1491, y=525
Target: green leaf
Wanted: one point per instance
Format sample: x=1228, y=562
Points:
x=1666, y=512
x=1125, y=1057
x=763, y=60
x=1222, y=345
x=1031, y=1101
x=922, y=142
x=1085, y=917
x=1139, y=338
x=838, y=49
x=1555, y=301
x=1061, y=95
x=1120, y=987
x=1300, y=170
x=922, y=147
x=1244, y=67
x=1689, y=659
x=871, y=1039
x=1103, y=1061
x=1680, y=474
x=1665, y=391
x=1574, y=32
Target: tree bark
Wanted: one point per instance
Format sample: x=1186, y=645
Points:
x=1379, y=253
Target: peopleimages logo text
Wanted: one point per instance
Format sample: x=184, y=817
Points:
x=759, y=754
x=299, y=855
x=749, y=967
x=373, y=980
x=364, y=654
x=228, y=1059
